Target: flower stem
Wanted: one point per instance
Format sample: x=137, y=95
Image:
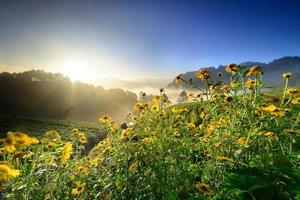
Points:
x=284, y=91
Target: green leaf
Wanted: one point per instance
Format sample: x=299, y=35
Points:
x=171, y=195
x=243, y=183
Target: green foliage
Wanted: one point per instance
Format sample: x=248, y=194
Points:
x=235, y=145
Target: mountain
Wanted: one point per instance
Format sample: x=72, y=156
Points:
x=272, y=76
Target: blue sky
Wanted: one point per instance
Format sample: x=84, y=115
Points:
x=138, y=39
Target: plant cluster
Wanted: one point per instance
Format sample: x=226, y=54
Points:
x=229, y=144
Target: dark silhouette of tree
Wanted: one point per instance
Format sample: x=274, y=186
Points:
x=165, y=97
x=182, y=97
x=37, y=93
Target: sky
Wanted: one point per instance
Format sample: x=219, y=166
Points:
x=91, y=40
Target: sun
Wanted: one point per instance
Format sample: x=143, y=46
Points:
x=74, y=69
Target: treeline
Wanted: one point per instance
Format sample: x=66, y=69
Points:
x=37, y=93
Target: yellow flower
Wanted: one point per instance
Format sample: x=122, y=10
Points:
x=113, y=125
x=215, y=96
x=191, y=96
x=2, y=150
x=66, y=152
x=202, y=115
x=203, y=188
x=83, y=169
x=79, y=188
x=155, y=108
x=228, y=99
x=179, y=117
x=147, y=140
x=80, y=135
x=47, y=196
x=250, y=84
x=138, y=106
x=53, y=134
x=17, y=140
x=9, y=145
x=133, y=166
x=127, y=132
x=270, y=108
x=234, y=83
x=175, y=110
x=269, y=134
x=296, y=101
x=96, y=161
x=287, y=75
x=50, y=144
x=278, y=113
x=241, y=140
x=225, y=88
x=274, y=110
x=154, y=133
x=212, y=87
x=231, y=68
x=156, y=99
x=292, y=91
x=218, y=144
x=146, y=106
x=75, y=132
x=33, y=140
x=203, y=74
x=105, y=119
x=191, y=125
x=223, y=158
x=82, y=138
x=178, y=79
x=254, y=70
x=7, y=173
x=292, y=131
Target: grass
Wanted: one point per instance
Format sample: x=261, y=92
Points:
x=38, y=127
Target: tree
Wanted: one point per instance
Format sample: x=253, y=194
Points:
x=182, y=97
x=37, y=93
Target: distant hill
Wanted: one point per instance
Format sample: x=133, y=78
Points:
x=37, y=93
x=272, y=76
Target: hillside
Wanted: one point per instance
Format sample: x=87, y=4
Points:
x=272, y=78
x=46, y=95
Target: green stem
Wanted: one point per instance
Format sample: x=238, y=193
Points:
x=207, y=89
x=255, y=88
x=284, y=92
x=193, y=85
x=296, y=122
x=289, y=100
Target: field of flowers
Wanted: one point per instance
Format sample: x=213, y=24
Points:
x=37, y=126
x=231, y=143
